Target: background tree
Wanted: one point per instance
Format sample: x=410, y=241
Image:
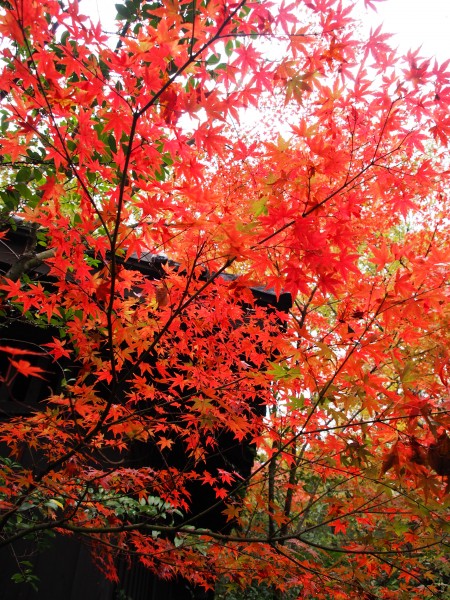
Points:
x=141, y=142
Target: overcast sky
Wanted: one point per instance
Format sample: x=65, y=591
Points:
x=417, y=23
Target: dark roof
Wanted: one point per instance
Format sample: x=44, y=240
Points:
x=151, y=265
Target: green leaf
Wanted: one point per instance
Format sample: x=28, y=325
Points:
x=24, y=191
x=23, y=174
x=167, y=159
x=10, y=199
x=229, y=47
x=213, y=59
x=297, y=402
x=123, y=12
x=260, y=206
x=54, y=504
x=35, y=155
x=112, y=143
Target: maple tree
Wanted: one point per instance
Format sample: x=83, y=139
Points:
x=145, y=143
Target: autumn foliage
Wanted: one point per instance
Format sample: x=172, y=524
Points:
x=271, y=141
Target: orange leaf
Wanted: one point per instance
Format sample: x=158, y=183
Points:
x=27, y=369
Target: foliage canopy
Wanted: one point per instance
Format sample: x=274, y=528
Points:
x=267, y=140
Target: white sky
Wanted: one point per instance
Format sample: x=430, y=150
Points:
x=415, y=23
